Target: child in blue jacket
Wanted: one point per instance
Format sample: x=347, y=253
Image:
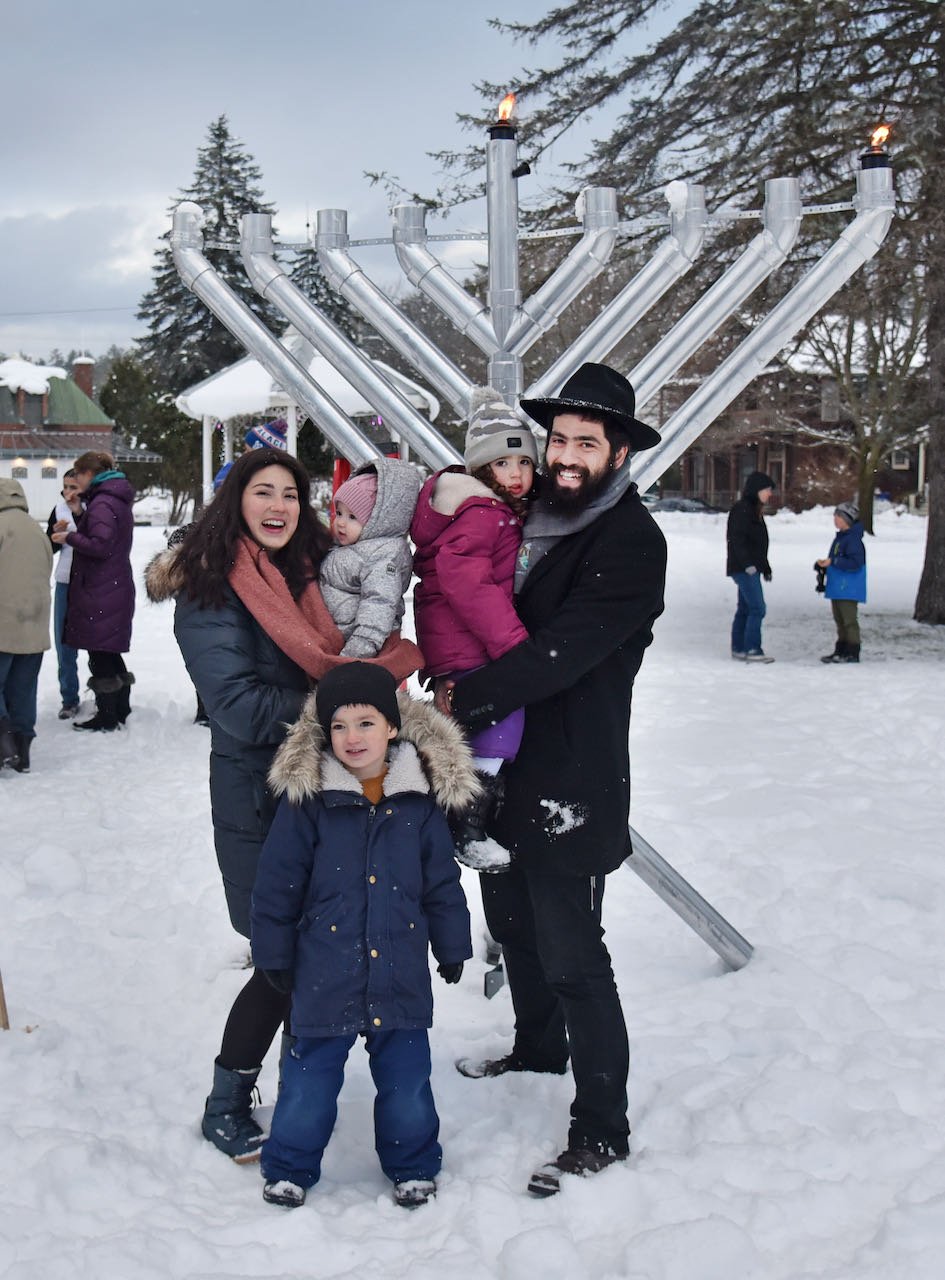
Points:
x=845, y=584
x=356, y=880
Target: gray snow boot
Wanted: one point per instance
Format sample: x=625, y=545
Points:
x=228, y=1116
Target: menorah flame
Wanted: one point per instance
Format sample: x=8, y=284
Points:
x=507, y=106
x=879, y=135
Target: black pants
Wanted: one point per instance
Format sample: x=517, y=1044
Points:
x=563, y=990
x=102, y=664
x=257, y=1014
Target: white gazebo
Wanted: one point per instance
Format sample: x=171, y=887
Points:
x=246, y=388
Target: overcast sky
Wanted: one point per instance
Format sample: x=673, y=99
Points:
x=105, y=104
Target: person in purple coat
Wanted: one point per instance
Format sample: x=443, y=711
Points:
x=101, y=600
x=467, y=531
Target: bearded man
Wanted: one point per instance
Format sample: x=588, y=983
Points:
x=589, y=585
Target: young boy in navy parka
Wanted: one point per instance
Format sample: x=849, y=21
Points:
x=356, y=879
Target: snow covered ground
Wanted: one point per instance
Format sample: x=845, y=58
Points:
x=788, y=1119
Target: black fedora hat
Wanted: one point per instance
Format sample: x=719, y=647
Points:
x=596, y=388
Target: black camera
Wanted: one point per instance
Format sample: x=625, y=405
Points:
x=821, y=577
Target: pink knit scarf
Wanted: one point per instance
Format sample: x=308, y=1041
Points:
x=304, y=629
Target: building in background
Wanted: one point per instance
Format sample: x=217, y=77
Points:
x=46, y=420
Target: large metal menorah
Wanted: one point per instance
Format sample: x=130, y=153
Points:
x=505, y=327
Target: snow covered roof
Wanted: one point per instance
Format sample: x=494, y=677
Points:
x=32, y=378
x=67, y=404
x=246, y=387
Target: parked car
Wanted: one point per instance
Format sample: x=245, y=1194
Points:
x=683, y=504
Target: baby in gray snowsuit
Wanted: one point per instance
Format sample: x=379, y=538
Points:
x=364, y=576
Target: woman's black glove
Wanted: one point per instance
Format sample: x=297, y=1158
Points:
x=281, y=979
x=450, y=972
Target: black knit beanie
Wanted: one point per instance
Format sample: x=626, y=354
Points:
x=356, y=684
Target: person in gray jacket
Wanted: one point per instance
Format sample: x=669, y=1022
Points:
x=364, y=577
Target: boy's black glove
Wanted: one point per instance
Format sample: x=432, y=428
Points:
x=767, y=575
x=450, y=972
x=281, y=979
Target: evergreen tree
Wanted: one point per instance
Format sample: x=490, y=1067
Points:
x=742, y=90
x=145, y=415
x=185, y=342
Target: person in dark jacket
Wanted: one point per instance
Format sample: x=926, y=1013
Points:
x=747, y=563
x=845, y=585
x=254, y=633
x=356, y=882
x=101, y=599
x=589, y=587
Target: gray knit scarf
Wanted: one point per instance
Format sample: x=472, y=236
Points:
x=545, y=525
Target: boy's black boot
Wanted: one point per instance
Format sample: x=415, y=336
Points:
x=414, y=1192
x=107, y=690
x=468, y=827
x=837, y=655
x=288, y=1194
x=228, y=1116
x=852, y=653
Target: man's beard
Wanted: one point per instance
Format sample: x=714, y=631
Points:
x=574, y=499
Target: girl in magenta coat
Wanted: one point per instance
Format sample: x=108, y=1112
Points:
x=467, y=531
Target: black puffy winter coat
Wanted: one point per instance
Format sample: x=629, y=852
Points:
x=589, y=605
x=252, y=692
x=747, y=535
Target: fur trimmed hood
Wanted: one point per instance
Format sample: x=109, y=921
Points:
x=161, y=582
x=429, y=754
x=453, y=488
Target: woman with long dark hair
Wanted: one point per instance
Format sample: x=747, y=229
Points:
x=255, y=636
x=101, y=600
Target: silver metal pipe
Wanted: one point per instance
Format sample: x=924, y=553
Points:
x=198, y=275
x=465, y=312
x=765, y=253
x=690, y=906
x=875, y=204
x=507, y=376
x=504, y=293
x=587, y=259
x=271, y=282
x=347, y=279
x=672, y=259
